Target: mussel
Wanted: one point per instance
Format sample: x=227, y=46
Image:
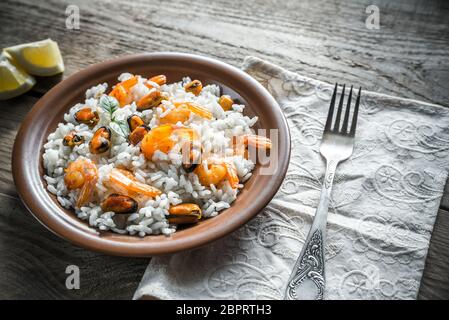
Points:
x=194, y=159
x=134, y=121
x=120, y=204
x=137, y=134
x=194, y=87
x=184, y=213
x=87, y=116
x=101, y=141
x=72, y=139
x=151, y=100
x=225, y=102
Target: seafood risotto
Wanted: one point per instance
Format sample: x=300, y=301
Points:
x=148, y=156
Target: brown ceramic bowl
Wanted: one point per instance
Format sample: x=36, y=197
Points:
x=48, y=112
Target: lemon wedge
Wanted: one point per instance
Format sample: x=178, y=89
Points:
x=13, y=80
x=41, y=58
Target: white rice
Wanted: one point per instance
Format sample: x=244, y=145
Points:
x=164, y=171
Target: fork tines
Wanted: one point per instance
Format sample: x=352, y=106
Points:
x=338, y=127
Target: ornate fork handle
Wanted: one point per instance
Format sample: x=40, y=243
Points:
x=337, y=144
x=307, y=280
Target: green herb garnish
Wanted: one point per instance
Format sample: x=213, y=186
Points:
x=110, y=105
x=120, y=127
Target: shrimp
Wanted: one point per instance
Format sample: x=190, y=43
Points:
x=257, y=141
x=182, y=112
x=231, y=174
x=124, y=182
x=176, y=115
x=121, y=91
x=164, y=137
x=158, y=138
x=215, y=173
x=195, y=108
x=159, y=80
x=241, y=144
x=81, y=174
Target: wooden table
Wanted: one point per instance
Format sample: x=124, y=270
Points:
x=408, y=57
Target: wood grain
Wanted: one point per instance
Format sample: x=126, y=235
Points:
x=324, y=39
x=12, y=113
x=435, y=280
x=445, y=198
x=34, y=261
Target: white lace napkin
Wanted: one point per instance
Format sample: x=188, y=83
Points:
x=384, y=203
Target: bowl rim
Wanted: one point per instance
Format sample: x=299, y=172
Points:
x=62, y=228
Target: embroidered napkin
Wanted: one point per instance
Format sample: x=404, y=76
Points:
x=384, y=203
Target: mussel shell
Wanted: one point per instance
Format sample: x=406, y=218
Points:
x=193, y=84
x=156, y=99
x=134, y=121
x=77, y=139
x=119, y=204
x=93, y=120
x=104, y=146
x=184, y=213
x=184, y=219
x=104, y=142
x=189, y=167
x=137, y=134
x=194, y=159
x=194, y=87
x=72, y=139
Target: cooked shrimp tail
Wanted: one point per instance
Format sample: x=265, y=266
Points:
x=257, y=141
x=241, y=144
x=86, y=192
x=199, y=110
x=215, y=173
x=231, y=174
x=123, y=181
x=121, y=91
x=81, y=174
x=182, y=112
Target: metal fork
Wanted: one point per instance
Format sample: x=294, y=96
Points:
x=307, y=280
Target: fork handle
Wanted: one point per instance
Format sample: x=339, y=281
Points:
x=307, y=280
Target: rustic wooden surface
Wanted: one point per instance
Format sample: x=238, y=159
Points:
x=325, y=39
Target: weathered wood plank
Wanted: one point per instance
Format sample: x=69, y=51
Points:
x=327, y=40
x=445, y=198
x=12, y=112
x=435, y=280
x=34, y=261
x=408, y=57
